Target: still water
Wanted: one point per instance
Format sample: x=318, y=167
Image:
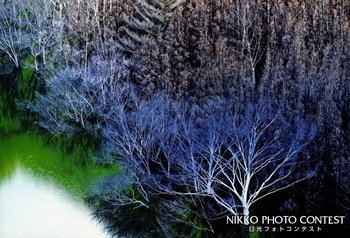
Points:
x=42, y=191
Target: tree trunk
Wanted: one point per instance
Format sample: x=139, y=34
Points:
x=245, y=233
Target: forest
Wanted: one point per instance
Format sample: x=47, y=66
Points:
x=209, y=108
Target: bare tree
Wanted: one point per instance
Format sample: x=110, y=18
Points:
x=31, y=28
x=78, y=99
x=244, y=159
x=262, y=154
x=12, y=38
x=233, y=158
x=246, y=25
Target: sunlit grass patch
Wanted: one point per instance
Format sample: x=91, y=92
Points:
x=33, y=154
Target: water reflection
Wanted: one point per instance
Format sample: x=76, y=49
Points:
x=31, y=207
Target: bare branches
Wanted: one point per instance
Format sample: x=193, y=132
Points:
x=248, y=33
x=30, y=27
x=79, y=100
x=12, y=39
x=231, y=158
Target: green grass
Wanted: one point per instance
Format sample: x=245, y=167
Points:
x=27, y=70
x=29, y=151
x=254, y=235
x=8, y=125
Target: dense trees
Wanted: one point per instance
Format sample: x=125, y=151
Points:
x=149, y=19
x=233, y=155
x=170, y=86
x=218, y=158
x=77, y=98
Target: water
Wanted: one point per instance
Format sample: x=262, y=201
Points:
x=33, y=208
x=42, y=191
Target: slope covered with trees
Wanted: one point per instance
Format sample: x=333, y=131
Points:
x=206, y=105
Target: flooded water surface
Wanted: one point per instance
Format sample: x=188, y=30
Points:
x=42, y=191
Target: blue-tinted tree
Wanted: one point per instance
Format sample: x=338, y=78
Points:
x=220, y=154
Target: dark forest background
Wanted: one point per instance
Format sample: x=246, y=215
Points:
x=65, y=65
